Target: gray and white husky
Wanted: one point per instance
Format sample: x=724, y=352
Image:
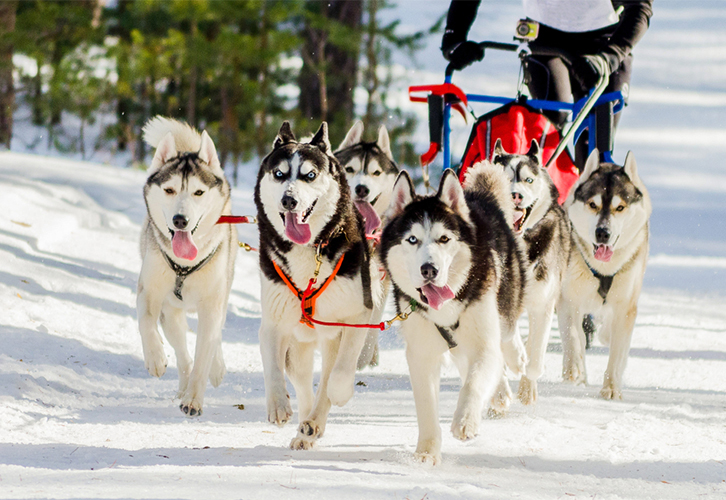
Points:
x=188, y=260
x=371, y=172
x=454, y=257
x=543, y=226
x=609, y=208
x=305, y=216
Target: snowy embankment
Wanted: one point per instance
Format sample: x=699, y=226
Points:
x=83, y=418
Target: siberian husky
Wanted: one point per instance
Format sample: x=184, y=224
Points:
x=188, y=260
x=371, y=172
x=609, y=208
x=305, y=213
x=453, y=258
x=543, y=226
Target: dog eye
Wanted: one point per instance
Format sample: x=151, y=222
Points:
x=412, y=240
x=311, y=175
x=169, y=191
x=529, y=180
x=278, y=174
x=593, y=205
x=444, y=239
x=620, y=208
x=349, y=170
x=376, y=173
x=198, y=192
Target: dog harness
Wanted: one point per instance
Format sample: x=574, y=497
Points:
x=605, y=282
x=182, y=272
x=446, y=332
x=309, y=303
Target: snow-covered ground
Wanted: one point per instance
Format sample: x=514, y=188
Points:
x=83, y=419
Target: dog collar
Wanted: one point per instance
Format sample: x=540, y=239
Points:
x=446, y=332
x=182, y=272
x=605, y=281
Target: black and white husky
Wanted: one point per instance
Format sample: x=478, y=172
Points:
x=543, y=226
x=305, y=215
x=371, y=172
x=609, y=208
x=454, y=258
x=188, y=260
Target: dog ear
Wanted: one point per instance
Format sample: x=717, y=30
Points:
x=353, y=136
x=207, y=152
x=384, y=142
x=452, y=194
x=535, y=151
x=403, y=194
x=284, y=136
x=321, y=140
x=498, y=150
x=592, y=164
x=165, y=150
x=631, y=169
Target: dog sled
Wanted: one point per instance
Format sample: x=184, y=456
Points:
x=518, y=121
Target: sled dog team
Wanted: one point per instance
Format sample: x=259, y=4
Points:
x=341, y=228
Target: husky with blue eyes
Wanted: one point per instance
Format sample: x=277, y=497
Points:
x=457, y=267
x=309, y=228
x=187, y=258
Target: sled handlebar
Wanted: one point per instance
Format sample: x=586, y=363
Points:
x=525, y=51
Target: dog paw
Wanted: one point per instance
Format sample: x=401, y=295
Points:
x=465, y=428
x=502, y=398
x=191, y=408
x=307, y=435
x=279, y=411
x=574, y=374
x=155, y=361
x=427, y=457
x=340, y=387
x=610, y=392
x=515, y=356
x=217, y=372
x=527, y=392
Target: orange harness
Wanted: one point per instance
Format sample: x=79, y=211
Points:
x=308, y=299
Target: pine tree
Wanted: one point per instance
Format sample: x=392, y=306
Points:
x=7, y=87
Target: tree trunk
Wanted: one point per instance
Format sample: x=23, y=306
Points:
x=192, y=98
x=371, y=77
x=7, y=87
x=329, y=74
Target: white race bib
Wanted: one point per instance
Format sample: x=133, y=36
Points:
x=572, y=16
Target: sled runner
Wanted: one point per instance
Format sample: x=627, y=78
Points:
x=518, y=121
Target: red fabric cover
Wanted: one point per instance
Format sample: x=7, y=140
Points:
x=516, y=125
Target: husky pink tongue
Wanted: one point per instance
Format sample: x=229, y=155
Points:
x=295, y=229
x=603, y=252
x=369, y=215
x=183, y=245
x=518, y=216
x=437, y=295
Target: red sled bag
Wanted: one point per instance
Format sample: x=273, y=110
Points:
x=516, y=125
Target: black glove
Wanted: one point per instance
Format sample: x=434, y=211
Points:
x=586, y=70
x=462, y=54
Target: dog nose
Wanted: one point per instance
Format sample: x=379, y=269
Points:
x=362, y=191
x=428, y=271
x=602, y=235
x=517, y=198
x=288, y=202
x=180, y=221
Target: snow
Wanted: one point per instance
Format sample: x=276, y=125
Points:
x=83, y=419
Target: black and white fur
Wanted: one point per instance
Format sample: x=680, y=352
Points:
x=454, y=253
x=188, y=260
x=371, y=172
x=545, y=230
x=609, y=208
x=303, y=203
